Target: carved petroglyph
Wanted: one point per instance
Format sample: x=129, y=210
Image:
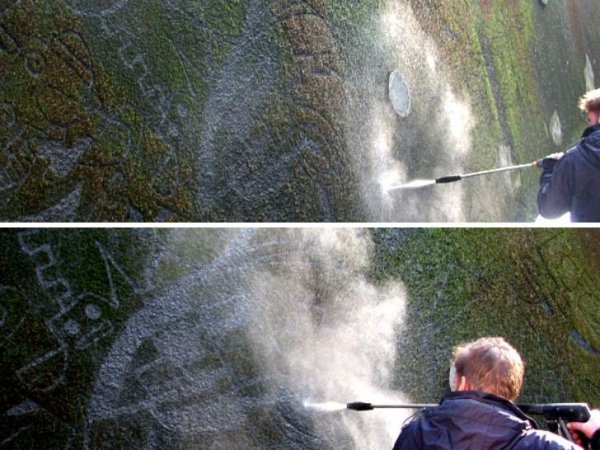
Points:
x=62, y=111
x=10, y=321
x=57, y=286
x=171, y=360
x=199, y=138
x=155, y=93
x=26, y=407
x=49, y=123
x=53, y=331
x=77, y=320
x=45, y=372
x=71, y=48
x=232, y=102
x=63, y=160
x=186, y=359
x=112, y=266
x=276, y=160
x=63, y=211
x=24, y=420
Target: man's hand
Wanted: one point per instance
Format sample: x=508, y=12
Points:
x=586, y=429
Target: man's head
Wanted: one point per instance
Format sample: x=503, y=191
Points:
x=490, y=365
x=590, y=105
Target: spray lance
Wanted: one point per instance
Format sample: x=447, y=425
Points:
x=452, y=178
x=570, y=412
x=362, y=406
x=555, y=414
x=458, y=177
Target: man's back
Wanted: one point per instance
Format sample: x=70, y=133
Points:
x=476, y=421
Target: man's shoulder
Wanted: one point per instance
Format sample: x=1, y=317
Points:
x=572, y=158
x=586, y=152
x=408, y=438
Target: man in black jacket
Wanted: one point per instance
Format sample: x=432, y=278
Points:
x=486, y=378
x=571, y=181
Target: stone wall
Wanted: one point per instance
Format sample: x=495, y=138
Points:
x=279, y=111
x=210, y=338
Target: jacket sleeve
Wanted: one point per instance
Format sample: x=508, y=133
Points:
x=595, y=441
x=555, y=192
x=408, y=439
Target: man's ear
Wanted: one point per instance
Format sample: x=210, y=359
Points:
x=462, y=384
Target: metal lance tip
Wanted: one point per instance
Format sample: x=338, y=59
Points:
x=448, y=179
x=360, y=406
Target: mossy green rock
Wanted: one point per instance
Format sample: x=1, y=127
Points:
x=254, y=111
x=215, y=338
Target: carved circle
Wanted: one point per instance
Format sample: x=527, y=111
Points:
x=35, y=63
x=72, y=328
x=93, y=312
x=399, y=94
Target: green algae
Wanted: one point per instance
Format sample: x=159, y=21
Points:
x=69, y=79
x=534, y=287
x=85, y=264
x=58, y=104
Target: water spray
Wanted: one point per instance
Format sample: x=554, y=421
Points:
x=453, y=178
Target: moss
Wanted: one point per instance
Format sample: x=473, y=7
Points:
x=76, y=258
x=69, y=78
x=510, y=30
x=159, y=49
x=526, y=285
x=489, y=51
x=56, y=101
x=533, y=286
x=125, y=173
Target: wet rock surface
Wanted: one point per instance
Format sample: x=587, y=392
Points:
x=280, y=111
x=212, y=338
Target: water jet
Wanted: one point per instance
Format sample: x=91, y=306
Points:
x=325, y=406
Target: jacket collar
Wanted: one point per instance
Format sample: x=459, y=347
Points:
x=490, y=399
x=590, y=130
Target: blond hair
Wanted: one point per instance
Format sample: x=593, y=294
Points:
x=490, y=365
x=590, y=102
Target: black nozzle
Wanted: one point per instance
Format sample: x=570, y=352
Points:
x=569, y=412
x=448, y=179
x=360, y=406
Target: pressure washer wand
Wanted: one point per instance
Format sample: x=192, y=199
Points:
x=555, y=414
x=570, y=412
x=453, y=178
x=362, y=406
